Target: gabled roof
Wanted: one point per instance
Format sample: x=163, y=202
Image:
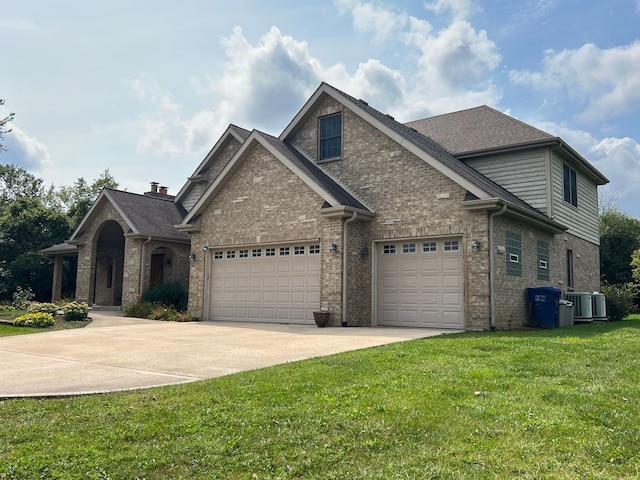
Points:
x=328, y=189
x=477, y=129
x=484, y=130
x=422, y=146
x=144, y=215
x=232, y=131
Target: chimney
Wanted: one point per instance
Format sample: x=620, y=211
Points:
x=154, y=187
x=163, y=190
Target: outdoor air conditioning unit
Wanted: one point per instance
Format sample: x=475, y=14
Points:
x=599, y=306
x=582, y=304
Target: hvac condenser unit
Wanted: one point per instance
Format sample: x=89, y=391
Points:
x=582, y=305
x=598, y=306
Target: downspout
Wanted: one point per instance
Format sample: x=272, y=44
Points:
x=492, y=279
x=142, y=258
x=345, y=249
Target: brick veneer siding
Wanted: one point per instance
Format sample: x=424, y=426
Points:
x=411, y=200
x=512, y=308
x=223, y=155
x=264, y=203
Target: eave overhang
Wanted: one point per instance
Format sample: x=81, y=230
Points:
x=528, y=216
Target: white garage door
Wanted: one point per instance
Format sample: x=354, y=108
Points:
x=420, y=283
x=265, y=284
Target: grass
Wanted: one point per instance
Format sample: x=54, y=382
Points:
x=559, y=404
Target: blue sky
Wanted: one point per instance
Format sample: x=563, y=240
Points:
x=145, y=88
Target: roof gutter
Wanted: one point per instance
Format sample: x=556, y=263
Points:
x=531, y=217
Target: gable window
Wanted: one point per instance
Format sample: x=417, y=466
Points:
x=330, y=137
x=570, y=185
x=570, y=268
x=543, y=260
x=514, y=254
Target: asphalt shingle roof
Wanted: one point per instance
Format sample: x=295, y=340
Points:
x=150, y=215
x=478, y=129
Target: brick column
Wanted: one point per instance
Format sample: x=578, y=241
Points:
x=58, y=267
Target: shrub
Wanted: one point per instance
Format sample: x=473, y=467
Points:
x=167, y=294
x=43, y=308
x=22, y=298
x=170, y=314
x=619, y=299
x=40, y=319
x=75, y=311
x=5, y=308
x=139, y=310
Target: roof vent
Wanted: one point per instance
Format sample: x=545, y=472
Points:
x=362, y=101
x=389, y=116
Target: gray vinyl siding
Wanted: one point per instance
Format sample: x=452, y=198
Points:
x=582, y=220
x=522, y=173
x=192, y=196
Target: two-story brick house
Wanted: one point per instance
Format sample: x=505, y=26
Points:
x=442, y=222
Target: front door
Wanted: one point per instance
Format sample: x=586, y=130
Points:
x=157, y=269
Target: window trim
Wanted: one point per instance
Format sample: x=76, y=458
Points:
x=570, y=276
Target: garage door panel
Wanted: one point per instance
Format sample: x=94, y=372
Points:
x=420, y=288
x=280, y=288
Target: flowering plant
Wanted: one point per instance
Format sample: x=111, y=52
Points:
x=22, y=297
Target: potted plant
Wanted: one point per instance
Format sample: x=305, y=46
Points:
x=321, y=318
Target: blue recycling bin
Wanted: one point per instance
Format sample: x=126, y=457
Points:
x=544, y=305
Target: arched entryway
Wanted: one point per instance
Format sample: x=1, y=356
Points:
x=109, y=265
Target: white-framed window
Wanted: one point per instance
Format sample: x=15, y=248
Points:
x=330, y=137
x=451, y=245
x=429, y=246
x=388, y=249
x=218, y=255
x=284, y=251
x=231, y=254
x=408, y=248
x=243, y=254
x=298, y=250
x=270, y=252
x=256, y=252
x=314, y=249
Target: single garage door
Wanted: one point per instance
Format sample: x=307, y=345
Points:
x=265, y=284
x=420, y=283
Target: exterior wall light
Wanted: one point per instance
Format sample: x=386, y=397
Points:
x=334, y=248
x=205, y=248
x=192, y=256
x=475, y=245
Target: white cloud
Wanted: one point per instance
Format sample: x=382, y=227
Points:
x=460, y=9
x=605, y=81
x=24, y=151
x=263, y=85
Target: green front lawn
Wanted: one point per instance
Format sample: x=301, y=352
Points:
x=560, y=404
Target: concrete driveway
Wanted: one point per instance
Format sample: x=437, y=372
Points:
x=117, y=353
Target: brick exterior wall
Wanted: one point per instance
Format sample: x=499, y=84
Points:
x=512, y=307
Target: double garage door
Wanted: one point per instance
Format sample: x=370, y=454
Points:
x=420, y=283
x=265, y=284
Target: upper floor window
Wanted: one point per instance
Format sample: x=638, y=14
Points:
x=570, y=185
x=330, y=137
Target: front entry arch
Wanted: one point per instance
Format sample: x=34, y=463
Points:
x=109, y=265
